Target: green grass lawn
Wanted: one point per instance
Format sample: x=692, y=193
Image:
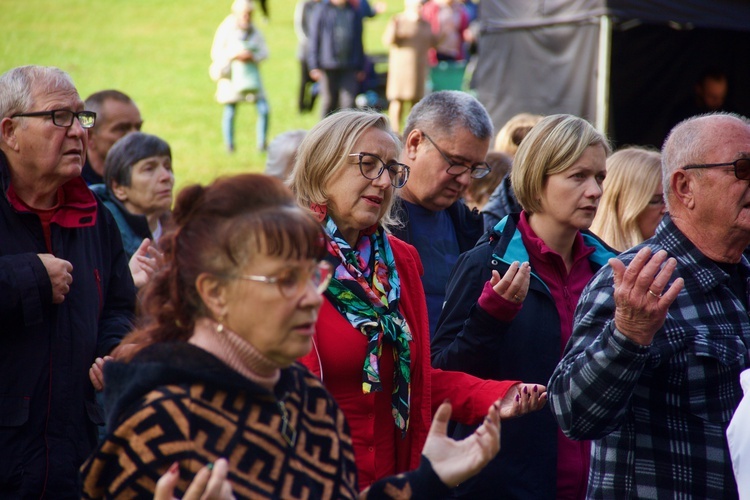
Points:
x=157, y=51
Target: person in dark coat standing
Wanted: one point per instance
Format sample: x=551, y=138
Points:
x=336, y=56
x=68, y=296
x=446, y=138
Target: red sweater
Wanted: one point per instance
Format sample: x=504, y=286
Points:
x=338, y=356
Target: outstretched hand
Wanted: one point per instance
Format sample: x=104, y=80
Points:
x=456, y=461
x=522, y=399
x=641, y=304
x=145, y=262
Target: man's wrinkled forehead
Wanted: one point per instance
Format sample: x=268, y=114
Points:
x=44, y=93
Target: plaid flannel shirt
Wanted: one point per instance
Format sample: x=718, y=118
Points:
x=658, y=413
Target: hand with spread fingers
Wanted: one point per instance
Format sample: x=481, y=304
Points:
x=455, y=461
x=514, y=285
x=642, y=298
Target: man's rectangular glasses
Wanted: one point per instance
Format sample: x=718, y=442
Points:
x=741, y=167
x=64, y=117
x=372, y=167
x=477, y=171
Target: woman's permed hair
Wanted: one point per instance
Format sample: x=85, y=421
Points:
x=633, y=174
x=218, y=229
x=324, y=152
x=552, y=146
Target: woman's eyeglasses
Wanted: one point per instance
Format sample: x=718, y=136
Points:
x=292, y=281
x=741, y=167
x=372, y=167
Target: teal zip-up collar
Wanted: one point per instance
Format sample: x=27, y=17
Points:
x=516, y=250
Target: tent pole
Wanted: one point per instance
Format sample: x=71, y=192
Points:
x=603, y=74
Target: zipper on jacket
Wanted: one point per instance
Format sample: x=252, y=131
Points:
x=98, y=279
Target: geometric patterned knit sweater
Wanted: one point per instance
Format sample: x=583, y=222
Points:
x=176, y=402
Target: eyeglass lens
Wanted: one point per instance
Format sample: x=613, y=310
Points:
x=64, y=118
x=742, y=169
x=373, y=167
x=293, y=280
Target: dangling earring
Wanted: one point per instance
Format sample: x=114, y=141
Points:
x=220, y=323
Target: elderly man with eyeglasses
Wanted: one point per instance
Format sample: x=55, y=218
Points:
x=651, y=373
x=67, y=294
x=446, y=138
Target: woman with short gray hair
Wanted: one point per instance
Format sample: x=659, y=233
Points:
x=137, y=189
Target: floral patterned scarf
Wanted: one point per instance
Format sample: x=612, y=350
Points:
x=366, y=289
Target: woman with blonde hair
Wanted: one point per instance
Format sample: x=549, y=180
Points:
x=509, y=303
x=510, y=136
x=371, y=345
x=633, y=201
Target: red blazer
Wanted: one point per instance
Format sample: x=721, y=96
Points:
x=338, y=356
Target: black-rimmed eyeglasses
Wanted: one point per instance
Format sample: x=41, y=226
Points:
x=372, y=167
x=64, y=117
x=741, y=167
x=293, y=280
x=477, y=171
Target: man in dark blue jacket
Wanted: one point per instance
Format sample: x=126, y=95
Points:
x=446, y=139
x=67, y=293
x=336, y=56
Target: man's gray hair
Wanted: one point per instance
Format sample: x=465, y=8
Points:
x=689, y=143
x=445, y=111
x=17, y=86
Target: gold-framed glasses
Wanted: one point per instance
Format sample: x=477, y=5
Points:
x=292, y=281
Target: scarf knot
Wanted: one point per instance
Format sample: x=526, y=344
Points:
x=366, y=289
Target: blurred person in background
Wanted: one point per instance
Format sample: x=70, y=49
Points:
x=282, y=152
x=502, y=201
x=308, y=90
x=479, y=190
x=633, y=202
x=408, y=38
x=116, y=116
x=237, y=50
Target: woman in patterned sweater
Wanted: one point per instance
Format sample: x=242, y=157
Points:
x=212, y=373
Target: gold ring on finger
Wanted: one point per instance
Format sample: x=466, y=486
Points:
x=657, y=295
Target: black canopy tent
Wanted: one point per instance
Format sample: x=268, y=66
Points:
x=622, y=64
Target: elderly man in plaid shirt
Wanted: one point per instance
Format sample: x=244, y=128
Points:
x=652, y=371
